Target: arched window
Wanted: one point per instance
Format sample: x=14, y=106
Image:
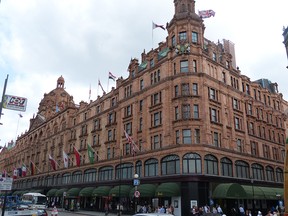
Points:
x=77, y=177
x=151, y=167
x=211, y=165
x=90, y=175
x=105, y=173
x=226, y=167
x=279, y=175
x=138, y=168
x=170, y=165
x=192, y=163
x=269, y=173
x=66, y=178
x=242, y=169
x=124, y=171
x=258, y=172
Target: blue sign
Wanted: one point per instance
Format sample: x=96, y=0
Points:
x=136, y=182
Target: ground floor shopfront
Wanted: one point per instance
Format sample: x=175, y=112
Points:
x=182, y=195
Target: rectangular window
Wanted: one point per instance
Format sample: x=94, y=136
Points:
x=141, y=105
x=214, y=57
x=128, y=128
x=113, y=102
x=194, y=37
x=194, y=66
x=184, y=66
x=195, y=89
x=254, y=148
x=236, y=104
x=156, y=142
x=110, y=135
x=177, y=136
x=128, y=111
x=140, y=124
x=223, y=77
x=176, y=113
x=239, y=145
x=237, y=123
x=213, y=115
x=212, y=94
x=186, y=136
x=151, y=63
x=141, y=84
x=182, y=36
x=216, y=139
x=176, y=90
x=156, y=98
x=185, y=89
x=157, y=119
x=197, y=136
x=186, y=111
x=173, y=40
x=196, y=111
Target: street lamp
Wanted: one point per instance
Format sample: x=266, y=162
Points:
x=253, y=201
x=136, y=182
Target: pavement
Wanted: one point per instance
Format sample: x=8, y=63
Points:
x=83, y=212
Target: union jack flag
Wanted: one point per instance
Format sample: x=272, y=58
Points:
x=206, y=13
x=134, y=146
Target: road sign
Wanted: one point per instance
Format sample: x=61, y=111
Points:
x=136, y=182
x=137, y=194
x=6, y=183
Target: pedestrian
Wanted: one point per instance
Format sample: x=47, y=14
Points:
x=241, y=210
x=54, y=211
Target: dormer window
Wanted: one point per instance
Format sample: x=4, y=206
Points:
x=151, y=63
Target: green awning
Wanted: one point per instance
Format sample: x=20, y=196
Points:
x=22, y=192
x=229, y=191
x=101, y=191
x=73, y=192
x=86, y=192
x=123, y=190
x=168, y=189
x=37, y=191
x=59, y=193
x=250, y=190
x=146, y=190
x=51, y=192
x=271, y=193
x=13, y=194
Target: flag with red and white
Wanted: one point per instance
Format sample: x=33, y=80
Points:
x=15, y=173
x=154, y=25
x=53, y=162
x=23, y=170
x=111, y=76
x=77, y=156
x=65, y=159
x=206, y=13
x=133, y=145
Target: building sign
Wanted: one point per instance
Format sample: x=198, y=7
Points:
x=15, y=103
x=6, y=183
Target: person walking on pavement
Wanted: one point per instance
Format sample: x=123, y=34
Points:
x=54, y=211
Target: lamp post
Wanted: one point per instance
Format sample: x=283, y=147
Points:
x=253, y=201
x=136, y=182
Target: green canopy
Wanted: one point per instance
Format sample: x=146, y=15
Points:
x=271, y=193
x=122, y=190
x=253, y=191
x=146, y=190
x=59, y=193
x=168, y=189
x=86, y=192
x=229, y=191
x=51, y=192
x=101, y=191
x=73, y=192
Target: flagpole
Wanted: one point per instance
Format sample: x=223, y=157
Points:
x=108, y=84
x=152, y=34
x=17, y=126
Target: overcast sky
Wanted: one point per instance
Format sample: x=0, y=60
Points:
x=40, y=40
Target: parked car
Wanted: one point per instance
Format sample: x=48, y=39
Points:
x=42, y=212
x=152, y=214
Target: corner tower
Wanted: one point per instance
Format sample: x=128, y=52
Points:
x=186, y=27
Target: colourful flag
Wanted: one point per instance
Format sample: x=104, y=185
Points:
x=20, y=172
x=154, y=25
x=32, y=168
x=23, y=170
x=91, y=154
x=133, y=145
x=77, y=156
x=53, y=162
x=111, y=76
x=206, y=13
x=15, y=173
x=65, y=159
x=99, y=83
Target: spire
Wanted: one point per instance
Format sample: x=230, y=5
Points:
x=184, y=8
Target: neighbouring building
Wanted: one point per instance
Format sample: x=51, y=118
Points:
x=204, y=133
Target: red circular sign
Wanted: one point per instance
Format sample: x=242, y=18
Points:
x=137, y=194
